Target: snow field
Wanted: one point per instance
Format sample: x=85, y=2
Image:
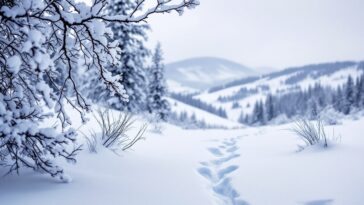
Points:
x=255, y=166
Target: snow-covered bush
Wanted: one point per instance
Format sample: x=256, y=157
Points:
x=330, y=116
x=44, y=46
x=114, y=127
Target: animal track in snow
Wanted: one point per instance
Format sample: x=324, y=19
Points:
x=217, y=174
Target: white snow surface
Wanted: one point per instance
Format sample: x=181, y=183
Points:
x=257, y=166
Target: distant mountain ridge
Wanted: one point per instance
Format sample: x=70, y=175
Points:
x=205, y=72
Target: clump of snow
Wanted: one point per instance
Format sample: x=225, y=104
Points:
x=14, y=63
x=65, y=178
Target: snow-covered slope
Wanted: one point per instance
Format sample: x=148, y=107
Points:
x=201, y=115
x=205, y=72
x=292, y=79
x=257, y=166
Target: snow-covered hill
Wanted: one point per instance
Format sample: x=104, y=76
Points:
x=246, y=91
x=203, y=73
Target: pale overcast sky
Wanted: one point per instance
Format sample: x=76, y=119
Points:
x=275, y=33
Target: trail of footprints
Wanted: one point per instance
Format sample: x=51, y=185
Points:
x=217, y=172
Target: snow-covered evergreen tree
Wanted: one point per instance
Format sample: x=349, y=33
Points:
x=338, y=99
x=235, y=105
x=131, y=66
x=261, y=114
x=312, y=109
x=157, y=87
x=359, y=92
x=349, y=96
x=242, y=118
x=258, y=116
x=269, y=108
x=222, y=112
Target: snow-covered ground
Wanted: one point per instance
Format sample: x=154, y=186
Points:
x=205, y=167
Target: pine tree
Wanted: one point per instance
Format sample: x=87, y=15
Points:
x=222, y=112
x=258, y=113
x=261, y=116
x=349, y=96
x=193, y=118
x=359, y=92
x=131, y=64
x=241, y=118
x=254, y=116
x=338, y=99
x=157, y=90
x=235, y=105
x=313, y=109
x=183, y=116
x=269, y=108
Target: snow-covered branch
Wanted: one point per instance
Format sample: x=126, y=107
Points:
x=46, y=46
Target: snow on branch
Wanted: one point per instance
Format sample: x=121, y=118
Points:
x=162, y=6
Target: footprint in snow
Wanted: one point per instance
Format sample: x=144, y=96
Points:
x=205, y=172
x=215, y=151
x=229, y=143
x=217, y=175
x=232, y=149
x=221, y=173
x=225, y=189
x=224, y=159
